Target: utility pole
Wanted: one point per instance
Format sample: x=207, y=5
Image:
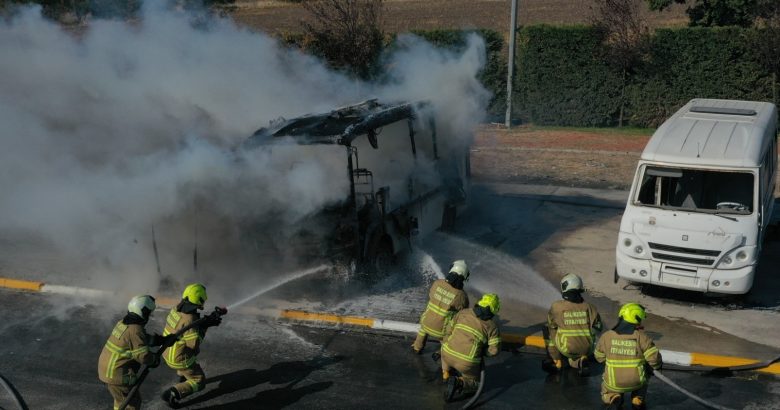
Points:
x=510, y=70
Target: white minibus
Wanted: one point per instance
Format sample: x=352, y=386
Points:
x=702, y=198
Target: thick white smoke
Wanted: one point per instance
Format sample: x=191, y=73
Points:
x=128, y=126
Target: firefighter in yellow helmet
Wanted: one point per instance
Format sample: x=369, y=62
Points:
x=630, y=355
x=182, y=355
x=471, y=335
x=445, y=298
x=572, y=324
x=126, y=349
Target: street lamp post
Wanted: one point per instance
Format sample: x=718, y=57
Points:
x=511, y=66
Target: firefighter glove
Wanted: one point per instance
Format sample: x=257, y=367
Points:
x=155, y=340
x=168, y=341
x=211, y=320
x=155, y=361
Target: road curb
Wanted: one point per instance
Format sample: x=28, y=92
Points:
x=687, y=359
x=21, y=284
x=41, y=287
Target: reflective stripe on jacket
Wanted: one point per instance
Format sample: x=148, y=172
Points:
x=468, y=337
x=625, y=357
x=123, y=354
x=443, y=302
x=572, y=327
x=183, y=353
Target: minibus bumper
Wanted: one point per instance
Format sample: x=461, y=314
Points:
x=700, y=279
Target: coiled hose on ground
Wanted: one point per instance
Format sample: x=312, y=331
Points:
x=13, y=393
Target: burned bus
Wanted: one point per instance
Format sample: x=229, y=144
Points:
x=405, y=181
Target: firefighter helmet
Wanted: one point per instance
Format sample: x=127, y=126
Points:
x=459, y=267
x=195, y=293
x=142, y=305
x=490, y=301
x=633, y=313
x=571, y=282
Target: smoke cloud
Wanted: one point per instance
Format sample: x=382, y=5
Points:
x=129, y=126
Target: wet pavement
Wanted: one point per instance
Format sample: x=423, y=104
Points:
x=50, y=354
x=517, y=246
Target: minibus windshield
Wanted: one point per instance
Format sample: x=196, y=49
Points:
x=696, y=190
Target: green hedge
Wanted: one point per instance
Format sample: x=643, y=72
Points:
x=561, y=78
x=564, y=79
x=695, y=62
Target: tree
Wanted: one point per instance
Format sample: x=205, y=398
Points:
x=626, y=37
x=709, y=13
x=346, y=33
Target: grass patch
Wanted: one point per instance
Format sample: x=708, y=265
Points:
x=630, y=131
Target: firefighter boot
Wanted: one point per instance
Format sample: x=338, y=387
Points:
x=454, y=386
x=637, y=403
x=583, y=367
x=552, y=366
x=616, y=403
x=171, y=397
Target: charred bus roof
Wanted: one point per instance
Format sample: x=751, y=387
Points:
x=340, y=126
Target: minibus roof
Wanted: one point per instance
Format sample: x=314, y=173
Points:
x=714, y=132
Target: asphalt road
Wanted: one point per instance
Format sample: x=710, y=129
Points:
x=50, y=354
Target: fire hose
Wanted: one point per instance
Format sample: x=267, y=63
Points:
x=144, y=371
x=13, y=393
x=479, y=389
x=436, y=356
x=703, y=402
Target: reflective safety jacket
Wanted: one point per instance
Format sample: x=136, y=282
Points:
x=444, y=301
x=183, y=353
x=123, y=354
x=469, y=338
x=573, y=327
x=625, y=356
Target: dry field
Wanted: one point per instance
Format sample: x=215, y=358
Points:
x=565, y=157
x=274, y=16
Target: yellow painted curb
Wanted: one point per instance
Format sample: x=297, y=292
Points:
x=703, y=359
x=690, y=359
x=323, y=317
x=20, y=284
x=535, y=341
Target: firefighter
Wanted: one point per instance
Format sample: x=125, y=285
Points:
x=471, y=335
x=445, y=298
x=630, y=355
x=126, y=349
x=572, y=324
x=182, y=355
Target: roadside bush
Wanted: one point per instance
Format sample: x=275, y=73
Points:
x=696, y=62
x=563, y=78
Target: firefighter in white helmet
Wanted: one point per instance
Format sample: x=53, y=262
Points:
x=126, y=349
x=572, y=324
x=445, y=298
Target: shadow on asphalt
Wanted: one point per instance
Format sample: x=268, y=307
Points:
x=289, y=373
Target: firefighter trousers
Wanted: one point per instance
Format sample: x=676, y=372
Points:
x=469, y=374
x=194, y=380
x=120, y=392
x=637, y=396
